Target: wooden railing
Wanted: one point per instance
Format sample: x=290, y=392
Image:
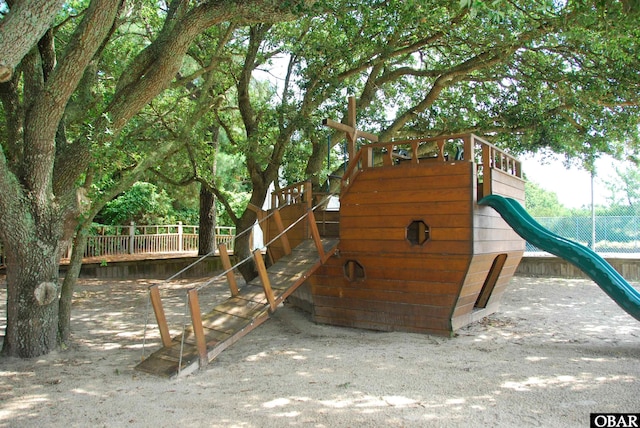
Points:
x=256, y=257
x=295, y=193
x=492, y=159
x=143, y=239
x=447, y=148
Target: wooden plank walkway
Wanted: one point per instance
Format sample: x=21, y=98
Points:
x=230, y=320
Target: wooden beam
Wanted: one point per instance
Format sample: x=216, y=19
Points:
x=161, y=319
x=387, y=158
x=264, y=279
x=349, y=130
x=315, y=234
x=440, y=144
x=486, y=170
x=198, y=330
x=351, y=112
x=256, y=209
x=367, y=157
x=337, y=126
x=469, y=148
x=367, y=135
x=308, y=194
x=415, y=156
x=226, y=264
x=286, y=247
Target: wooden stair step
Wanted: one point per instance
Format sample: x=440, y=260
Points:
x=224, y=322
x=230, y=320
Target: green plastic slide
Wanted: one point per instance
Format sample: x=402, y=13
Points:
x=584, y=258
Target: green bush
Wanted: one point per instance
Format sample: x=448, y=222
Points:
x=142, y=204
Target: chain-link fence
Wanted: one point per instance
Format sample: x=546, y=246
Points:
x=613, y=234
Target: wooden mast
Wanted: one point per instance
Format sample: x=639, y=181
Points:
x=350, y=129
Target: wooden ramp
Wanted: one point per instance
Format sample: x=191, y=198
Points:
x=227, y=322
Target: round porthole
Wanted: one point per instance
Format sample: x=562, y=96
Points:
x=417, y=232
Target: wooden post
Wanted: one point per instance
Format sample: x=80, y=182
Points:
x=313, y=227
x=156, y=302
x=469, y=147
x=415, y=157
x=132, y=237
x=286, y=247
x=226, y=264
x=198, y=330
x=350, y=129
x=308, y=194
x=180, y=237
x=264, y=278
x=351, y=120
x=440, y=144
x=387, y=158
x=486, y=170
x=367, y=157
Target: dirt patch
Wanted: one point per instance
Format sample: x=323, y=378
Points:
x=557, y=350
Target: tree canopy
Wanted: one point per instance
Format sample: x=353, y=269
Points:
x=110, y=91
x=625, y=189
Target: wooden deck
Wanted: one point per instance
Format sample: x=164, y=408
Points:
x=230, y=320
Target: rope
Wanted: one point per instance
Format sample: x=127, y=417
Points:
x=206, y=284
x=202, y=286
x=172, y=277
x=211, y=253
x=278, y=236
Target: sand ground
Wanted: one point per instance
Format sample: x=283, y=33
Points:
x=558, y=350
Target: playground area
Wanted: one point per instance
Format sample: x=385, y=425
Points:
x=557, y=350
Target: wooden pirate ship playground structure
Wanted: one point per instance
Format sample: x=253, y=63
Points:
x=413, y=247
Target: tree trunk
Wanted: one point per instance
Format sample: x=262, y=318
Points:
x=21, y=28
x=32, y=297
x=316, y=162
x=242, y=246
x=207, y=229
x=69, y=284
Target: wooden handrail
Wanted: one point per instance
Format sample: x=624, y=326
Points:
x=315, y=234
x=277, y=218
x=388, y=154
x=226, y=265
x=294, y=193
x=192, y=294
x=198, y=329
x=352, y=170
x=264, y=279
x=161, y=319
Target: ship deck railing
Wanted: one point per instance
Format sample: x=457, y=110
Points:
x=443, y=149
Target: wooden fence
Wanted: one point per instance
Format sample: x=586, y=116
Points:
x=138, y=239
